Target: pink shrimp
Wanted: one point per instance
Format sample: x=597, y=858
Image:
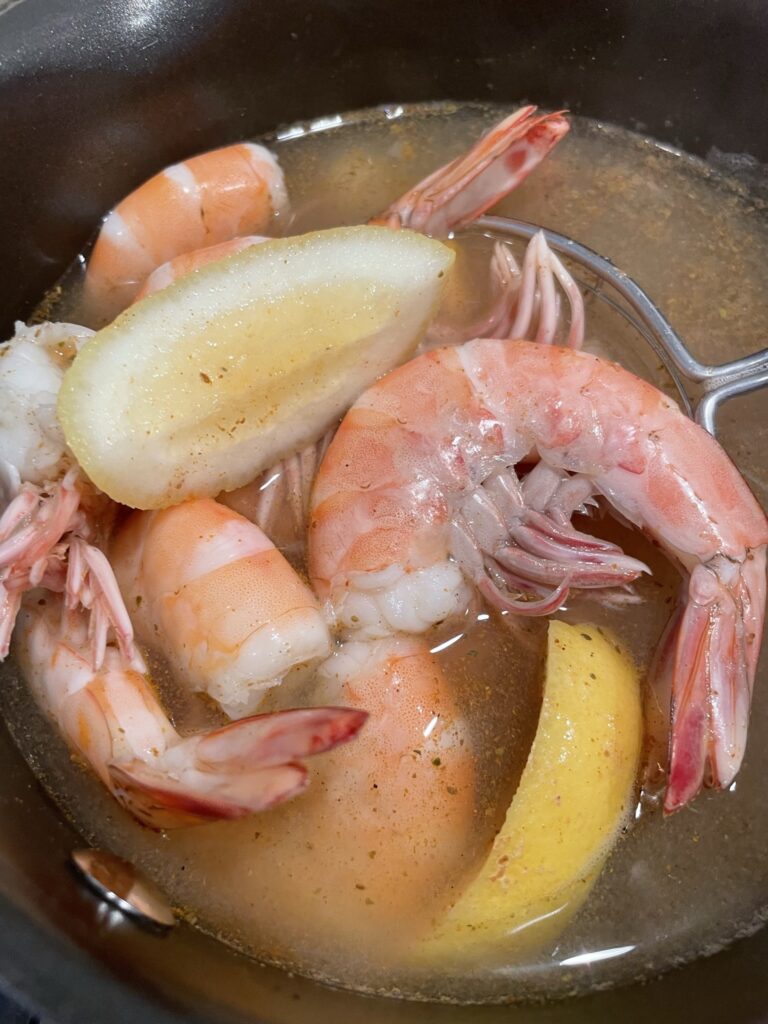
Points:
x=457, y=194
x=418, y=494
x=112, y=718
x=208, y=199
x=450, y=198
x=398, y=807
x=213, y=594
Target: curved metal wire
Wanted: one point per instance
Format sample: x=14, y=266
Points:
x=717, y=383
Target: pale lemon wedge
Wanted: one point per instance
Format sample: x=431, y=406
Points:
x=199, y=387
x=574, y=795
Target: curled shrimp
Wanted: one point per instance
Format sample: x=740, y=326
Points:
x=212, y=592
x=112, y=718
x=418, y=496
x=208, y=199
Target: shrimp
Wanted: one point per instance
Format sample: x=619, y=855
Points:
x=53, y=520
x=398, y=806
x=188, y=262
x=112, y=718
x=208, y=199
x=458, y=193
x=418, y=495
x=211, y=592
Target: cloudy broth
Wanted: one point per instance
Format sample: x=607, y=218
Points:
x=288, y=885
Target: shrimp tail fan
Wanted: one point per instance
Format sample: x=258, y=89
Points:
x=715, y=660
x=242, y=768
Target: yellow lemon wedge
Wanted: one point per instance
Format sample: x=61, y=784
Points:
x=198, y=388
x=575, y=793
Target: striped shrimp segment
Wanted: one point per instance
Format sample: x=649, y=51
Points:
x=206, y=200
x=213, y=594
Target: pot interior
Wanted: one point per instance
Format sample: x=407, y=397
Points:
x=96, y=96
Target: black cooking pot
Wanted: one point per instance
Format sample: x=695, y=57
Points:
x=95, y=95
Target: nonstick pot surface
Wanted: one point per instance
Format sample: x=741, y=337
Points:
x=97, y=94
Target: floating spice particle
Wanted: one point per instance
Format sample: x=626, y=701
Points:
x=360, y=886
x=586, y=636
x=205, y=378
x=452, y=791
x=436, y=762
x=371, y=854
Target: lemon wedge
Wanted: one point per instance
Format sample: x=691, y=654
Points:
x=197, y=388
x=575, y=793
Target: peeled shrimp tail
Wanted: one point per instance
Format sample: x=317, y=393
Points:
x=245, y=767
x=715, y=662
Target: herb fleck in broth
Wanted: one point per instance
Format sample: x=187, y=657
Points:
x=280, y=885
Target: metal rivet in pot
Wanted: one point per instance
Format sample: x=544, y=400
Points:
x=120, y=883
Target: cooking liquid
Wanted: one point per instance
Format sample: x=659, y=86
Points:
x=290, y=885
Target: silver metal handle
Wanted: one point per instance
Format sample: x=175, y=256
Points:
x=712, y=399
